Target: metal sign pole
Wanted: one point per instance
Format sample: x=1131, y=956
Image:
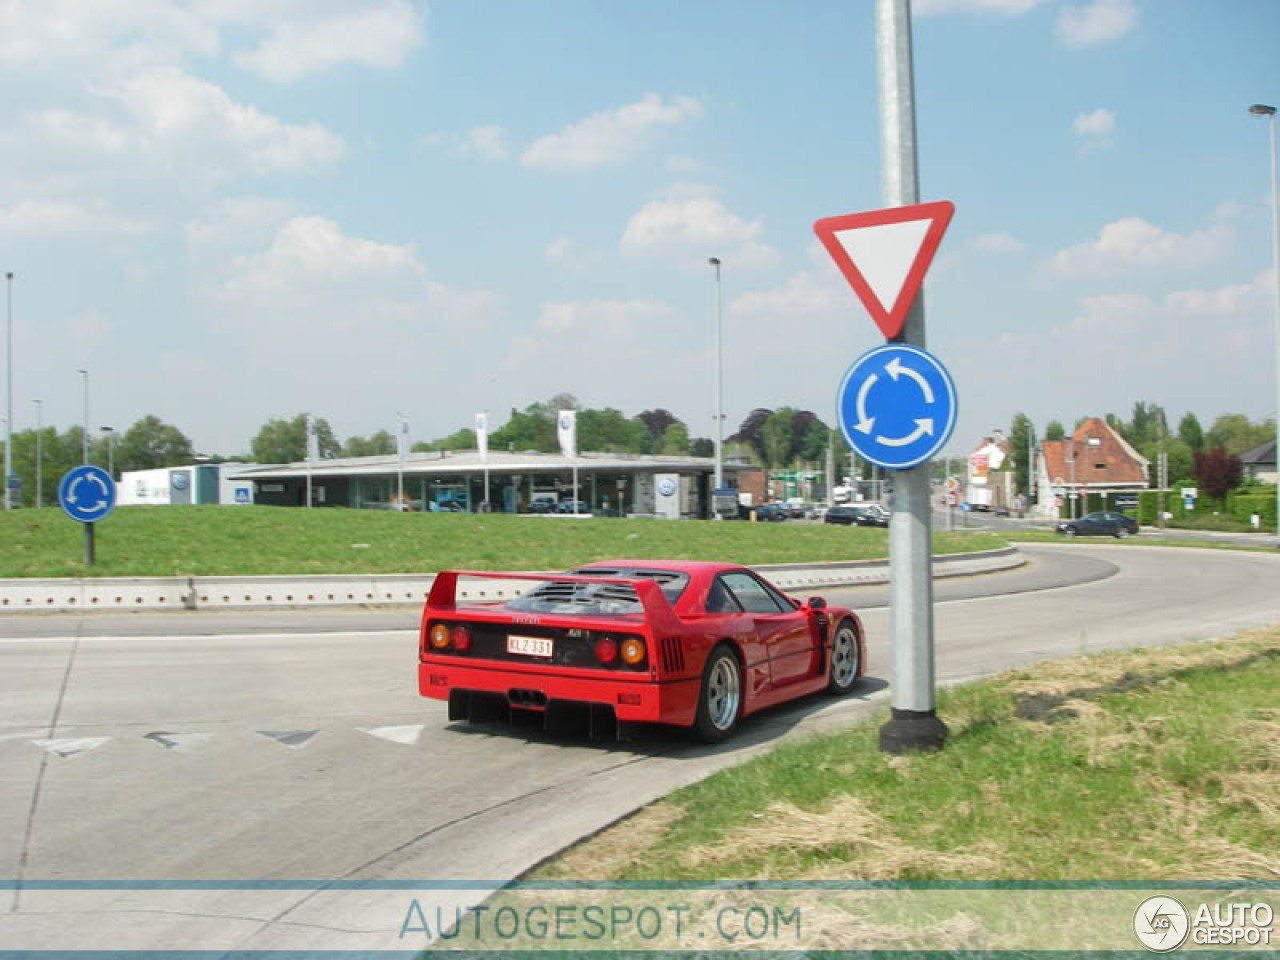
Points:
x=88, y=545
x=914, y=724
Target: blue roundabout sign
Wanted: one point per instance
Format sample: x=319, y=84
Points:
x=86, y=493
x=896, y=406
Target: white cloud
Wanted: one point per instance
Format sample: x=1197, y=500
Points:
x=1134, y=244
x=379, y=35
x=311, y=250
x=172, y=109
x=997, y=243
x=1008, y=8
x=1099, y=21
x=802, y=295
x=563, y=251
x=478, y=143
x=1230, y=300
x=695, y=226
x=610, y=136
x=50, y=218
x=1099, y=123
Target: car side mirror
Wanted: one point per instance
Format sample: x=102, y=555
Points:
x=817, y=603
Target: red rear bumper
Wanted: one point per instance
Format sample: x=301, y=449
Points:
x=635, y=700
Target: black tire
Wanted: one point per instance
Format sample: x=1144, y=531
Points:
x=719, y=697
x=1069, y=532
x=1121, y=533
x=845, y=656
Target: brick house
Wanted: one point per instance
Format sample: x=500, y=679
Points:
x=1093, y=460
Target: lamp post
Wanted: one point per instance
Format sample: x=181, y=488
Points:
x=39, y=451
x=1263, y=110
x=110, y=434
x=84, y=440
x=8, y=379
x=719, y=476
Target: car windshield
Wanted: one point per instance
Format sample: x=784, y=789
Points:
x=609, y=599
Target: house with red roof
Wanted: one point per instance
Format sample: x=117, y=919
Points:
x=1096, y=460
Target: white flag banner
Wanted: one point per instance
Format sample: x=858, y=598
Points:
x=482, y=435
x=402, y=440
x=567, y=432
x=313, y=440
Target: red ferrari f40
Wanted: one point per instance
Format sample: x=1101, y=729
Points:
x=694, y=645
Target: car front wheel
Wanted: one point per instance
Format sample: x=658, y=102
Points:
x=844, y=659
x=1069, y=532
x=720, y=698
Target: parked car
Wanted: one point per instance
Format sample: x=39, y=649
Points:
x=649, y=641
x=567, y=506
x=797, y=509
x=543, y=504
x=841, y=514
x=872, y=515
x=771, y=512
x=1103, y=523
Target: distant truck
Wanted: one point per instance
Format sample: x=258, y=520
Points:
x=979, y=497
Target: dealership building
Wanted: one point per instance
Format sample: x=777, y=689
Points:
x=609, y=483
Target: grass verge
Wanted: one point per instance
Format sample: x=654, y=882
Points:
x=230, y=541
x=1131, y=766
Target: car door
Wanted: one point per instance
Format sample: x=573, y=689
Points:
x=784, y=630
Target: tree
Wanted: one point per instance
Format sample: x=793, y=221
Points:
x=381, y=444
x=1190, y=432
x=675, y=441
x=657, y=422
x=1053, y=431
x=1218, y=472
x=776, y=438
x=464, y=439
x=1021, y=435
x=1235, y=433
x=609, y=430
x=702, y=447
x=150, y=444
x=285, y=441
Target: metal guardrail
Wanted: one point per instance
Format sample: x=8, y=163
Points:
x=129, y=594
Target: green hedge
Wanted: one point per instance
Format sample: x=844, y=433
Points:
x=1241, y=505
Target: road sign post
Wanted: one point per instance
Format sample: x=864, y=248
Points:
x=87, y=494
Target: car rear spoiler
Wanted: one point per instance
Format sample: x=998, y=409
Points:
x=657, y=609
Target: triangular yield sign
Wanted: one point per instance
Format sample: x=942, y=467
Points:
x=884, y=255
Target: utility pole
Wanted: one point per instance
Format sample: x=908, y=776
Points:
x=913, y=724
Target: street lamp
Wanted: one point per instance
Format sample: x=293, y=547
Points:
x=8, y=379
x=110, y=434
x=84, y=440
x=39, y=451
x=1262, y=110
x=719, y=481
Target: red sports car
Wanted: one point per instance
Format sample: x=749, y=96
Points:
x=697, y=645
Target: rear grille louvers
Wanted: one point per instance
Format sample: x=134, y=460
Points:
x=672, y=655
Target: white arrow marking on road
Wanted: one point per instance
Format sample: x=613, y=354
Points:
x=407, y=735
x=70, y=746
x=896, y=369
x=923, y=426
x=864, y=423
x=293, y=739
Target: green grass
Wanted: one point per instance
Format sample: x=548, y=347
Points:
x=1145, y=765
x=211, y=541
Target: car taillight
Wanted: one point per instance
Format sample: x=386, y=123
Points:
x=606, y=650
x=461, y=639
x=632, y=650
x=440, y=636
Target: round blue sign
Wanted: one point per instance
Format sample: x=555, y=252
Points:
x=86, y=493
x=896, y=406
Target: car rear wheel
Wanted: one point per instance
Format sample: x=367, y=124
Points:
x=1069, y=532
x=720, y=698
x=1121, y=533
x=844, y=659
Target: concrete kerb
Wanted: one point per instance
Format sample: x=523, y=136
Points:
x=128, y=594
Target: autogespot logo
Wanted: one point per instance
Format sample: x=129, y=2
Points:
x=1161, y=923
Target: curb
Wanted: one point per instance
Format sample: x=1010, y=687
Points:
x=131, y=594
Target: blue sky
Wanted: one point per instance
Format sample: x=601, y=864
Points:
x=231, y=210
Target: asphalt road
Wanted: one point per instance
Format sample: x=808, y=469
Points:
x=265, y=747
